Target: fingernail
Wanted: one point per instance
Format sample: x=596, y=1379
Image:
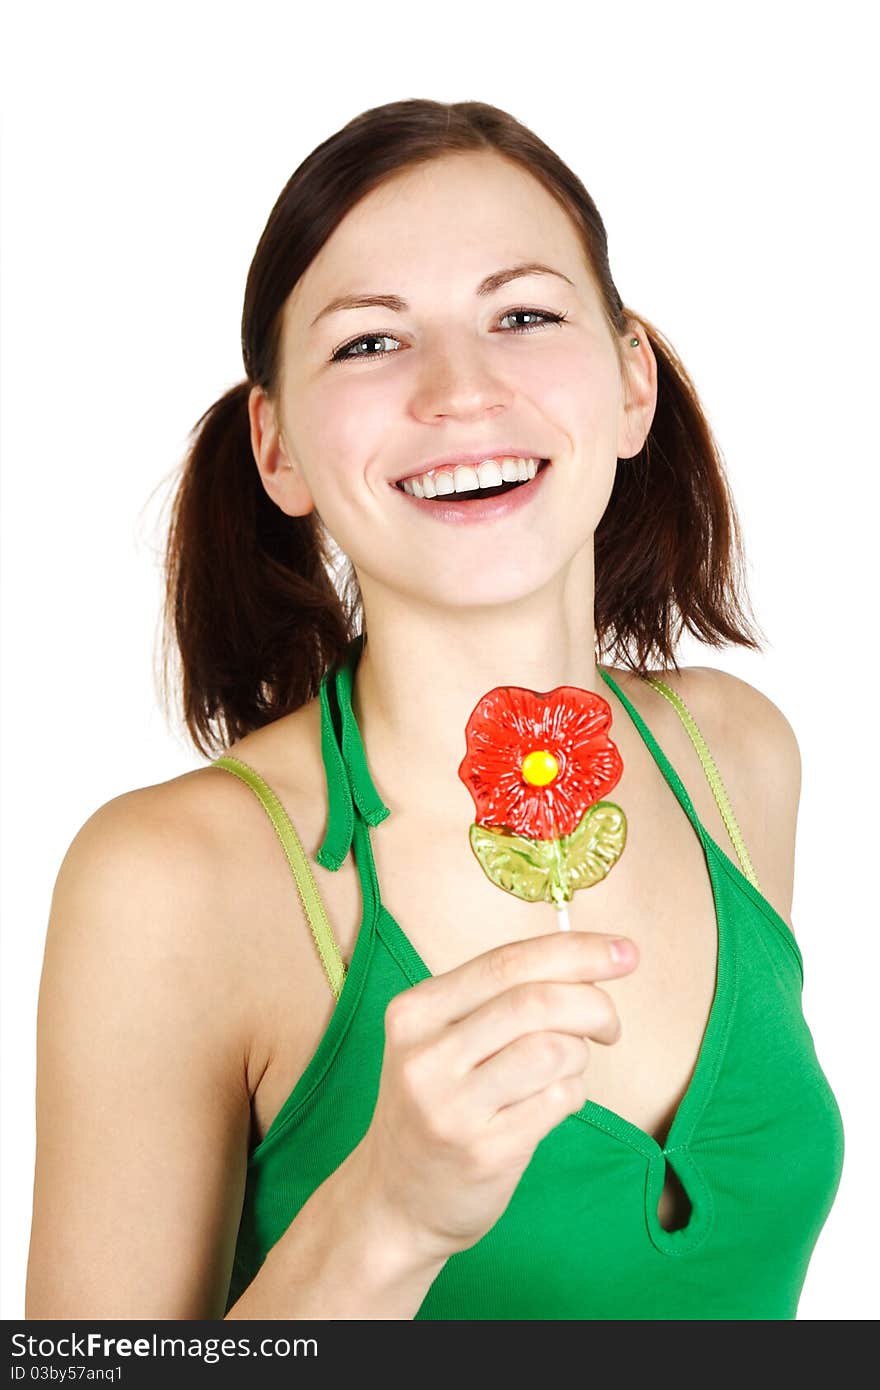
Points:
x=621, y=950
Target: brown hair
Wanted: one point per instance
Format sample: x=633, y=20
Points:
x=249, y=598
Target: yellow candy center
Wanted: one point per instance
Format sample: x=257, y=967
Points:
x=539, y=767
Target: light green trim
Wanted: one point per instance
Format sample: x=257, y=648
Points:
x=296, y=858
x=712, y=774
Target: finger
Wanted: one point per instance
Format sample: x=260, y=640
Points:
x=524, y=1068
x=562, y=956
x=583, y=1010
x=526, y=1122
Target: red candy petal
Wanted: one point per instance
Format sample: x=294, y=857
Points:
x=510, y=722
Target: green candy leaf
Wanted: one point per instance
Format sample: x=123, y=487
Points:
x=552, y=870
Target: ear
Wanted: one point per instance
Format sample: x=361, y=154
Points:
x=281, y=477
x=640, y=392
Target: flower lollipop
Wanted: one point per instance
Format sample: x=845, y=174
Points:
x=537, y=767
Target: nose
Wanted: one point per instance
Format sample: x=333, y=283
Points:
x=455, y=377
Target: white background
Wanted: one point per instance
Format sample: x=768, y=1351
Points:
x=731, y=156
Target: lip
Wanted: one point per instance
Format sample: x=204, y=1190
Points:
x=498, y=451
x=489, y=509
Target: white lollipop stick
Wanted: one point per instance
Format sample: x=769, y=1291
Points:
x=561, y=909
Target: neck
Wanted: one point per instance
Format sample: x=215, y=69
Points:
x=423, y=669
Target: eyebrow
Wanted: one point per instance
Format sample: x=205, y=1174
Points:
x=393, y=301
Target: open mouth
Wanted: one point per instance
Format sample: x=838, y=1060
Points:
x=480, y=494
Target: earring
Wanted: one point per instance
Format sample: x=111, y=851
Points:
x=634, y=342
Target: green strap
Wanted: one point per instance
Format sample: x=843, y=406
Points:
x=340, y=811
x=712, y=774
x=296, y=858
x=349, y=783
x=363, y=788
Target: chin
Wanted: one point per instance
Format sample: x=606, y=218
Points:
x=501, y=588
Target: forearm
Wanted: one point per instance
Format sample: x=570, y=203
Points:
x=340, y=1258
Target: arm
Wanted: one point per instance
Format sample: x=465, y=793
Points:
x=340, y=1258
x=141, y=1107
x=143, y=1104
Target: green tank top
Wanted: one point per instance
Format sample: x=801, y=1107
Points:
x=756, y=1143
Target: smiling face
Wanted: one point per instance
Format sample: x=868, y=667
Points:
x=450, y=374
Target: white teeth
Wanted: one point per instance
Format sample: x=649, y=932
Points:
x=489, y=473
x=466, y=479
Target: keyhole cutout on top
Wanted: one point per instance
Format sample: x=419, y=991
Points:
x=674, y=1208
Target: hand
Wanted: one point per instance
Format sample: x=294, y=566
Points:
x=480, y=1063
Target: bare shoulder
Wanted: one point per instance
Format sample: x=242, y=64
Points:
x=172, y=872
x=196, y=826
x=175, y=826
x=204, y=846
x=731, y=707
x=748, y=726
x=757, y=755
x=147, y=866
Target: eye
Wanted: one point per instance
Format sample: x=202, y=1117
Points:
x=345, y=353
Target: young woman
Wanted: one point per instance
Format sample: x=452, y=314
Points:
x=297, y=1056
